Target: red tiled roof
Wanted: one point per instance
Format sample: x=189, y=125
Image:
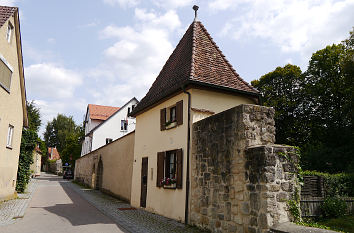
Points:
x=5, y=13
x=100, y=112
x=195, y=60
x=55, y=154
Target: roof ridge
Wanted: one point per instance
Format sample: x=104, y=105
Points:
x=224, y=57
x=193, y=48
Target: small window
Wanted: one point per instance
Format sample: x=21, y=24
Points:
x=109, y=140
x=128, y=111
x=173, y=114
x=170, y=165
x=10, y=134
x=133, y=106
x=124, y=125
x=9, y=33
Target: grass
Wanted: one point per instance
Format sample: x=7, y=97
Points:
x=341, y=224
x=344, y=224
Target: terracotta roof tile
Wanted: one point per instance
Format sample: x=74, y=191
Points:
x=100, y=112
x=198, y=60
x=5, y=13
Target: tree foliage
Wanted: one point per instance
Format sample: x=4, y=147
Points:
x=63, y=133
x=315, y=109
x=34, y=117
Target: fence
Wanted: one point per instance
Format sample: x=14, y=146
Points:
x=310, y=206
x=312, y=196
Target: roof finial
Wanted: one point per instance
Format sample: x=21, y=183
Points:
x=195, y=8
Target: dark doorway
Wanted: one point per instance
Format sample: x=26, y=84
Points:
x=99, y=174
x=144, y=179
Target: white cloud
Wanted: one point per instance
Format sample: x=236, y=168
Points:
x=169, y=20
x=122, y=3
x=50, y=81
x=8, y=2
x=134, y=60
x=53, y=89
x=172, y=4
x=294, y=25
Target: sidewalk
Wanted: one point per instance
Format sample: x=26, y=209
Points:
x=131, y=219
x=15, y=209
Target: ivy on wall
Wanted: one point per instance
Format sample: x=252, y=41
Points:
x=28, y=143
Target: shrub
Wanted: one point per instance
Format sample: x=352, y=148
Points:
x=333, y=207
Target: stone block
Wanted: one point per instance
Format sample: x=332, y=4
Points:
x=227, y=211
x=253, y=221
x=255, y=201
x=287, y=186
x=282, y=196
x=245, y=208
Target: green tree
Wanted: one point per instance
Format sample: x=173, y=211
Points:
x=63, y=133
x=281, y=89
x=57, y=130
x=34, y=117
x=327, y=98
x=72, y=150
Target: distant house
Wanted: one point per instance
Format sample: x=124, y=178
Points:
x=95, y=115
x=104, y=124
x=53, y=153
x=196, y=82
x=115, y=126
x=13, y=113
x=37, y=159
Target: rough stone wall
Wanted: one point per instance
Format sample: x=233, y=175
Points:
x=220, y=195
x=271, y=183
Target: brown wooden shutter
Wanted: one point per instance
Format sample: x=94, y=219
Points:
x=179, y=177
x=179, y=112
x=163, y=119
x=160, y=167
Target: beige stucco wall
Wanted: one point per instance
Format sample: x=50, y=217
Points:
x=10, y=113
x=36, y=165
x=149, y=140
x=117, y=158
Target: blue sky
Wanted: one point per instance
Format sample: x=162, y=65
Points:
x=108, y=51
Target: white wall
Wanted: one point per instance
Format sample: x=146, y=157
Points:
x=111, y=128
x=89, y=125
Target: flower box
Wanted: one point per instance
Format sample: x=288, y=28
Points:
x=169, y=186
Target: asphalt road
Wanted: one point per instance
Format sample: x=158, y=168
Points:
x=56, y=208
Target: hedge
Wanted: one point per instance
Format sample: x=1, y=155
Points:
x=341, y=184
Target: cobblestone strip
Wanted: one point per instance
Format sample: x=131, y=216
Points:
x=15, y=209
x=136, y=220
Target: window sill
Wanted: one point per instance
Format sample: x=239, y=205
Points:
x=9, y=147
x=171, y=125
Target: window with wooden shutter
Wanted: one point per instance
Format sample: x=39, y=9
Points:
x=5, y=76
x=179, y=178
x=179, y=112
x=163, y=119
x=160, y=168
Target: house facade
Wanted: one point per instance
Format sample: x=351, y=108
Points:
x=95, y=115
x=13, y=113
x=37, y=159
x=196, y=82
x=115, y=126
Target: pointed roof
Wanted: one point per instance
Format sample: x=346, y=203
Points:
x=195, y=60
x=100, y=112
x=5, y=13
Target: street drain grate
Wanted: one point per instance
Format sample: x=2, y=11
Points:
x=130, y=208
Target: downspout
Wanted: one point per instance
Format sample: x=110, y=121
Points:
x=186, y=213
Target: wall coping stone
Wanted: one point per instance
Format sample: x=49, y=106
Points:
x=289, y=227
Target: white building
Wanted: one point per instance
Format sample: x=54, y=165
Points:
x=99, y=132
